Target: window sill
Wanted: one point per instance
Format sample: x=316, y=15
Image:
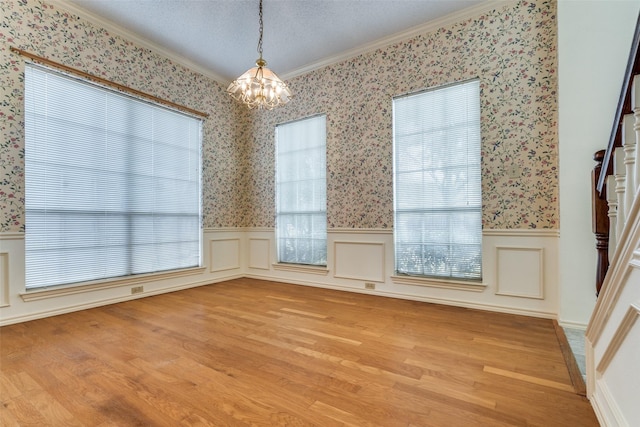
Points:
x=64, y=290
x=439, y=283
x=301, y=268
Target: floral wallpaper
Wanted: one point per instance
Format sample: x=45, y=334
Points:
x=53, y=33
x=511, y=49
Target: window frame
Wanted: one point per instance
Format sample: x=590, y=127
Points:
x=472, y=276
x=193, y=145
x=297, y=263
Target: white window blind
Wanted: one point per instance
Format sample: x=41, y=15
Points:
x=301, y=195
x=437, y=183
x=112, y=183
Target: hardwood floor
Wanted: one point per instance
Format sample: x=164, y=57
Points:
x=256, y=353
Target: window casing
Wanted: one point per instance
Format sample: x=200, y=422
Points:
x=437, y=183
x=301, y=195
x=112, y=183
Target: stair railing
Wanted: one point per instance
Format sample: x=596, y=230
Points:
x=616, y=176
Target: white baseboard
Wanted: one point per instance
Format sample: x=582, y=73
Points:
x=572, y=325
x=109, y=301
x=605, y=407
x=411, y=297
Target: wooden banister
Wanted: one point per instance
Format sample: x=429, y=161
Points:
x=604, y=165
x=624, y=107
x=600, y=222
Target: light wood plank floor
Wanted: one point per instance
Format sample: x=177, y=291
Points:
x=256, y=353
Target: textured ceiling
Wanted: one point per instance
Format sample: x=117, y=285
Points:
x=220, y=36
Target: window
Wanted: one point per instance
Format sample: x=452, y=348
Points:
x=301, y=195
x=437, y=188
x=112, y=183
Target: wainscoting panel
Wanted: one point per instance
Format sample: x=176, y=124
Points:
x=520, y=272
x=259, y=253
x=623, y=369
x=618, y=375
x=624, y=329
x=221, y=261
x=4, y=279
x=224, y=254
x=520, y=269
x=612, y=339
x=359, y=260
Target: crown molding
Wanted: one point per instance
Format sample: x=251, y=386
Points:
x=137, y=39
x=427, y=27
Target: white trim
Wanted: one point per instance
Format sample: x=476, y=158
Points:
x=300, y=268
x=627, y=323
x=224, y=230
x=635, y=259
x=543, y=232
x=78, y=307
x=411, y=297
x=446, y=293
x=11, y=235
x=238, y=230
x=572, y=325
x=268, y=256
x=4, y=279
x=431, y=282
x=59, y=291
x=339, y=230
x=540, y=251
x=433, y=25
x=590, y=368
x=260, y=229
x=345, y=230
x=380, y=279
x=605, y=407
x=116, y=29
x=616, y=278
x=227, y=267
x=427, y=27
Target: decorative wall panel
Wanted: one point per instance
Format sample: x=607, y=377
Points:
x=224, y=254
x=520, y=272
x=359, y=260
x=259, y=253
x=4, y=279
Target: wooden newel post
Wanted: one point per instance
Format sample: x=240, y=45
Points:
x=600, y=221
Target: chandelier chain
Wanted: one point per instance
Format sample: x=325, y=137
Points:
x=261, y=30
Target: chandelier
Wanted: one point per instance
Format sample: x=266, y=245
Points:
x=260, y=87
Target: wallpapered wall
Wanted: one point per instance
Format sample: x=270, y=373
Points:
x=513, y=52
x=50, y=32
